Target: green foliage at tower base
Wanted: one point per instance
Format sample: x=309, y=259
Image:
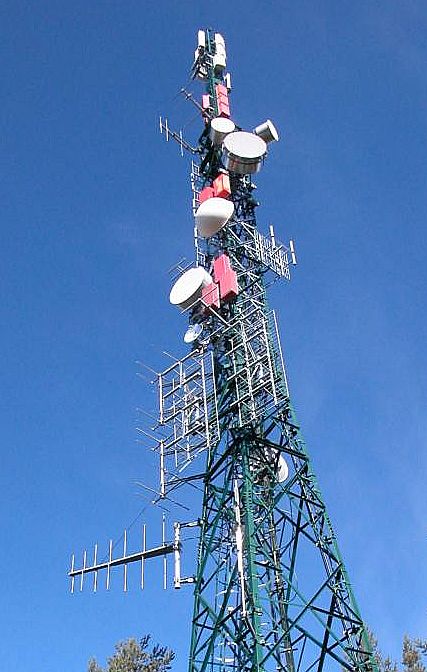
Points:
x=413, y=652
x=134, y=656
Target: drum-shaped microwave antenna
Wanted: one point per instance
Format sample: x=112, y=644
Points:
x=220, y=127
x=193, y=332
x=188, y=288
x=267, y=131
x=212, y=215
x=243, y=152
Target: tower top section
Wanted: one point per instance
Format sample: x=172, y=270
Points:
x=210, y=55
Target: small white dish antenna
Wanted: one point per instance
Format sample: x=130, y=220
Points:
x=282, y=470
x=267, y=131
x=193, y=332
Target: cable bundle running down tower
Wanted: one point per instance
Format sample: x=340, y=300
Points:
x=270, y=587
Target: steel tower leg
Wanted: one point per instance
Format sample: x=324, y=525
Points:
x=274, y=617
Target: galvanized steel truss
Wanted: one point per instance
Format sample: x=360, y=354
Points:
x=271, y=589
x=287, y=603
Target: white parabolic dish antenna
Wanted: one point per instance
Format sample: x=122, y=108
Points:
x=243, y=152
x=267, y=131
x=193, y=332
x=220, y=127
x=212, y=215
x=282, y=469
x=188, y=288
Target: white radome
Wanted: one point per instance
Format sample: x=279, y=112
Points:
x=220, y=128
x=188, y=288
x=243, y=152
x=267, y=131
x=282, y=470
x=212, y=215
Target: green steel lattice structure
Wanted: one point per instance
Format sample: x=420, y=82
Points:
x=271, y=591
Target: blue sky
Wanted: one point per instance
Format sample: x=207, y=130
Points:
x=96, y=208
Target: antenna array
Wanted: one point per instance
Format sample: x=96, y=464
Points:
x=270, y=587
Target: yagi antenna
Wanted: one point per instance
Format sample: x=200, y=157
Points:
x=166, y=548
x=178, y=137
x=123, y=560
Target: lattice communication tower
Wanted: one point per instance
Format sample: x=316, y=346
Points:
x=270, y=587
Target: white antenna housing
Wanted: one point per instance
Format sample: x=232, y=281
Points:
x=267, y=131
x=243, y=152
x=201, y=39
x=212, y=215
x=188, y=288
x=220, y=128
